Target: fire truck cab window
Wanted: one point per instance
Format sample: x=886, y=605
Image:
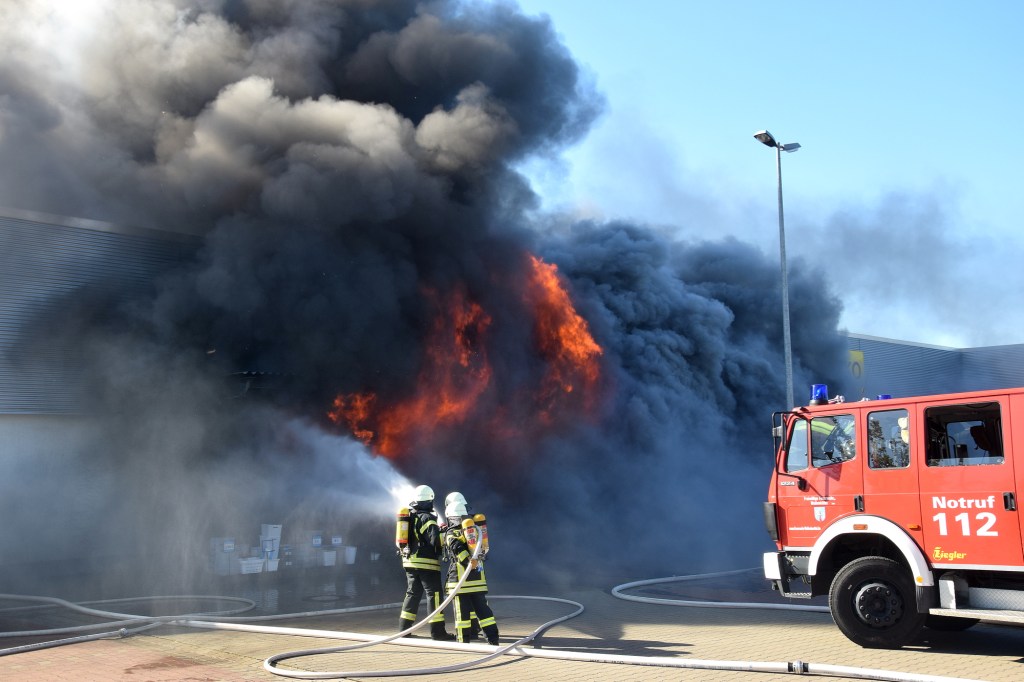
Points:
x=832, y=440
x=796, y=453
x=889, y=439
x=964, y=435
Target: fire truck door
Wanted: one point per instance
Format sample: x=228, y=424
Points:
x=968, y=501
x=890, y=474
x=820, y=454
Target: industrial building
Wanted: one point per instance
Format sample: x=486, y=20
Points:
x=48, y=266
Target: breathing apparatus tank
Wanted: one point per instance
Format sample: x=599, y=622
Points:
x=481, y=523
x=402, y=531
x=472, y=534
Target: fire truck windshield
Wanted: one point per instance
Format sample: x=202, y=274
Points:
x=832, y=439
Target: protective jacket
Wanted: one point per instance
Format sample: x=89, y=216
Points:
x=424, y=539
x=459, y=553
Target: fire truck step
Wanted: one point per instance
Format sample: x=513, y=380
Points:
x=991, y=615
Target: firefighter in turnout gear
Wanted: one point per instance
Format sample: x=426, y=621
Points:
x=449, y=499
x=472, y=597
x=421, y=558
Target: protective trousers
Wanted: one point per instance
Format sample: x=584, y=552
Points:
x=465, y=605
x=418, y=581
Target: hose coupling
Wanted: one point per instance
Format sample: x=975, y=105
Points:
x=798, y=668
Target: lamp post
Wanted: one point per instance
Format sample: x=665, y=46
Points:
x=766, y=138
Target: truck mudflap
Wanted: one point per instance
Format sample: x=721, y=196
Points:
x=927, y=598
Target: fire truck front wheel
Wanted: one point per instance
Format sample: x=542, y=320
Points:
x=872, y=601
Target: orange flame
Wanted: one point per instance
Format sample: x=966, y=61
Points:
x=563, y=337
x=456, y=375
x=354, y=411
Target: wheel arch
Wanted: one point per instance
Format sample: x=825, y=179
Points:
x=846, y=534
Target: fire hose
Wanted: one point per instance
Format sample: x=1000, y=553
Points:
x=270, y=664
x=618, y=591
x=123, y=619
x=227, y=621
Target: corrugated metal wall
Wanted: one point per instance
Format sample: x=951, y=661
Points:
x=902, y=368
x=45, y=260
x=993, y=367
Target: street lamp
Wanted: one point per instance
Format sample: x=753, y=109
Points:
x=766, y=138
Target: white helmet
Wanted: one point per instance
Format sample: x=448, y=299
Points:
x=455, y=510
x=454, y=497
x=423, y=493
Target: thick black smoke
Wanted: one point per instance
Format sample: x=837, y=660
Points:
x=338, y=158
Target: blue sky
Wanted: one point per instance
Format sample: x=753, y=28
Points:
x=906, y=188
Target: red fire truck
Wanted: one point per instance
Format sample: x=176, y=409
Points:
x=902, y=511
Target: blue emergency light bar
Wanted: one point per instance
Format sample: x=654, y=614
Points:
x=884, y=396
x=819, y=394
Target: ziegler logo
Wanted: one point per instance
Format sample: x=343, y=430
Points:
x=937, y=553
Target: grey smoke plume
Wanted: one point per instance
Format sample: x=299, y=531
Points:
x=903, y=241
x=339, y=159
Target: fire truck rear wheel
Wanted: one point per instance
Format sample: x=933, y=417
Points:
x=872, y=600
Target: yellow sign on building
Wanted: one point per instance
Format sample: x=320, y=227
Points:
x=857, y=363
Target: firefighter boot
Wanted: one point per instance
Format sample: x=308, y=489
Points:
x=438, y=632
x=491, y=631
x=405, y=624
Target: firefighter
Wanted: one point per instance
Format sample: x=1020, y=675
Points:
x=472, y=596
x=449, y=499
x=421, y=558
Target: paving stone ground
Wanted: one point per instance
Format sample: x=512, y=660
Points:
x=707, y=637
